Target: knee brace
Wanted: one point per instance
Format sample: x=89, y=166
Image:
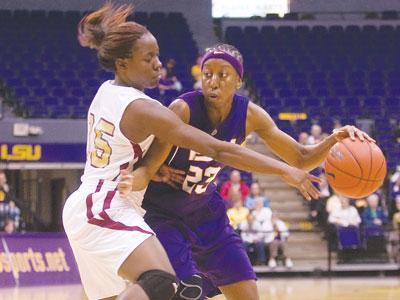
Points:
x=158, y=284
x=190, y=288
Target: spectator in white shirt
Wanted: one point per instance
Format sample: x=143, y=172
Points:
x=345, y=216
x=276, y=237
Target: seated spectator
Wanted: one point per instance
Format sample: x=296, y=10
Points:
x=395, y=185
x=9, y=211
x=237, y=213
x=337, y=124
x=333, y=203
x=255, y=193
x=234, y=183
x=196, y=73
x=316, y=135
x=395, y=234
x=166, y=83
x=6, y=194
x=346, y=222
x=396, y=215
x=318, y=207
x=253, y=238
x=303, y=138
x=373, y=216
x=346, y=215
x=9, y=226
x=276, y=237
x=170, y=67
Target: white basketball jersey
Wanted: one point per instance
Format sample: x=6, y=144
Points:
x=108, y=150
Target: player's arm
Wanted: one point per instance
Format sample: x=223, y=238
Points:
x=303, y=157
x=156, y=156
x=168, y=127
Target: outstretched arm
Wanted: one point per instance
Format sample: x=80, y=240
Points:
x=303, y=157
x=165, y=125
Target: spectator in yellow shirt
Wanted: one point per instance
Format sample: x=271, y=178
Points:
x=238, y=212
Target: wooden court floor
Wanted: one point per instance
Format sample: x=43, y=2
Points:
x=371, y=288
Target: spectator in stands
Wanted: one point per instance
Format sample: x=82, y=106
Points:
x=260, y=217
x=166, y=83
x=333, y=203
x=276, y=237
x=396, y=215
x=316, y=135
x=318, y=212
x=234, y=183
x=9, y=226
x=346, y=215
x=303, y=138
x=196, y=73
x=373, y=215
x=6, y=194
x=9, y=211
x=255, y=193
x=395, y=184
x=337, y=124
x=397, y=133
x=237, y=213
x=395, y=234
x=253, y=238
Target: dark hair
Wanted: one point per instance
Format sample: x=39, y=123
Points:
x=107, y=31
x=232, y=50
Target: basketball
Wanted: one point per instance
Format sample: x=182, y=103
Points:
x=355, y=169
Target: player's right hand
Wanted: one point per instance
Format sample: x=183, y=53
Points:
x=302, y=181
x=125, y=183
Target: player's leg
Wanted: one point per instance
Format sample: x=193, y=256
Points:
x=246, y=289
x=174, y=236
x=150, y=271
x=118, y=246
x=222, y=256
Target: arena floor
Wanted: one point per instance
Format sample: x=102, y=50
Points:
x=371, y=288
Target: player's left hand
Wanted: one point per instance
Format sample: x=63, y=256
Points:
x=171, y=176
x=352, y=132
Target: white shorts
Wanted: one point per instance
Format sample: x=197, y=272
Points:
x=103, y=230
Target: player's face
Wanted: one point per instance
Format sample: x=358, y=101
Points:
x=143, y=69
x=219, y=80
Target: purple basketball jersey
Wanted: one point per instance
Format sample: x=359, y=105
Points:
x=201, y=171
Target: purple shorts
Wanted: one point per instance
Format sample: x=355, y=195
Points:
x=203, y=243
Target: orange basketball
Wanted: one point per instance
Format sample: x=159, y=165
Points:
x=355, y=169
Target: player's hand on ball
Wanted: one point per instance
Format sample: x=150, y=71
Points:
x=302, y=181
x=352, y=132
x=171, y=176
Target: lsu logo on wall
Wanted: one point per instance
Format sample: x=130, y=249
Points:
x=20, y=152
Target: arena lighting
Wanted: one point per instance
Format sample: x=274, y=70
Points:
x=249, y=8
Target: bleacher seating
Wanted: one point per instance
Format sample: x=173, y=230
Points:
x=51, y=75
x=334, y=72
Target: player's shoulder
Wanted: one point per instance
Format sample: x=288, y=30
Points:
x=191, y=96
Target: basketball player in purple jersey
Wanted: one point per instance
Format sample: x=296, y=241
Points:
x=191, y=221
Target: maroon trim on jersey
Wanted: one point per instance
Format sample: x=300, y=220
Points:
x=121, y=167
x=137, y=150
x=89, y=200
x=107, y=222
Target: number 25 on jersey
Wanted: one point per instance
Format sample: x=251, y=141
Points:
x=99, y=149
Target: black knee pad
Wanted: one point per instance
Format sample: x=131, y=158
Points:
x=158, y=284
x=190, y=288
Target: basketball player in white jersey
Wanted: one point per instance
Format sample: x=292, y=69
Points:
x=111, y=242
